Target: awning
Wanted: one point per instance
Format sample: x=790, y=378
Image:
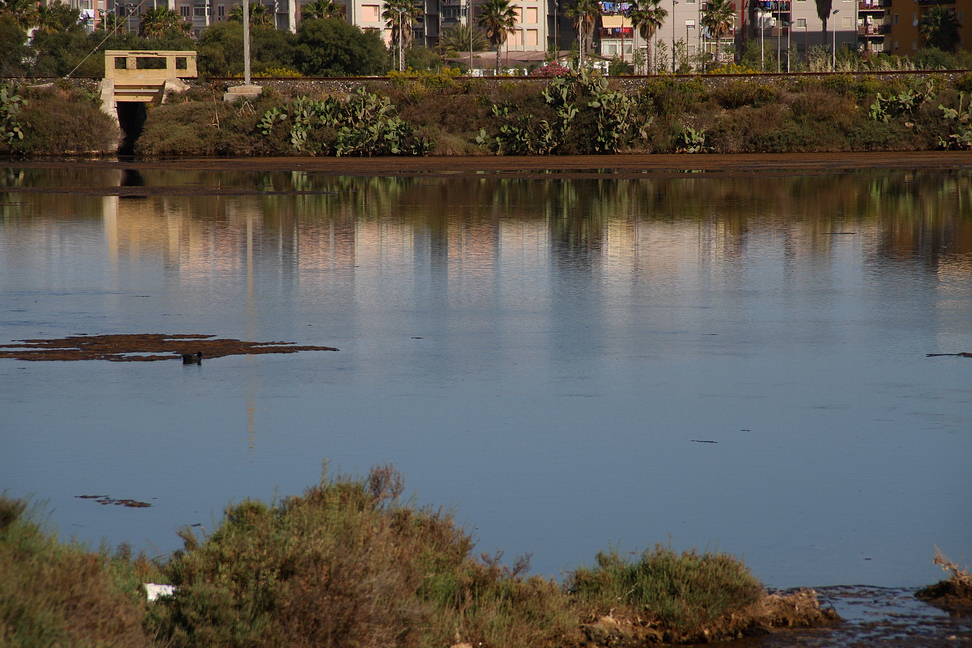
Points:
x=615, y=22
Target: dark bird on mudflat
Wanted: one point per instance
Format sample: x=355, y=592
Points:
x=192, y=358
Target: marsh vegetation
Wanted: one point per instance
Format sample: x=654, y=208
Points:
x=348, y=563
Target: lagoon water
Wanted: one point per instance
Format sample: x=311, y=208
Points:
x=733, y=363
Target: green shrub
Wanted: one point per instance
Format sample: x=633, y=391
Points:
x=63, y=595
x=679, y=591
x=347, y=565
x=59, y=122
x=744, y=92
x=669, y=98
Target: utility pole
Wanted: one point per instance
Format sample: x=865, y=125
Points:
x=674, y=6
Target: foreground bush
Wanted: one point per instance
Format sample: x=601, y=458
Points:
x=58, y=120
x=346, y=564
x=53, y=594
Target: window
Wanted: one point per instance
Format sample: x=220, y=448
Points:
x=691, y=50
x=184, y=11
x=531, y=15
x=959, y=15
x=370, y=13
x=689, y=24
x=199, y=12
x=532, y=37
x=848, y=22
x=801, y=23
x=914, y=45
x=896, y=22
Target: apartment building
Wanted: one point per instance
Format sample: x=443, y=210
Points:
x=905, y=18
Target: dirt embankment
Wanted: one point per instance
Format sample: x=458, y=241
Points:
x=774, y=612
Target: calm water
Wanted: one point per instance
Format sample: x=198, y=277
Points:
x=725, y=363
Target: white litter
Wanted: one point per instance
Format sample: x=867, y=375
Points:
x=155, y=590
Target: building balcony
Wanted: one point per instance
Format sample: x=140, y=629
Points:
x=774, y=6
x=873, y=5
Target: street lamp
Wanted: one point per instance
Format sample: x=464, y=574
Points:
x=779, y=40
x=762, y=34
x=469, y=24
x=401, y=37
x=674, y=5
x=833, y=48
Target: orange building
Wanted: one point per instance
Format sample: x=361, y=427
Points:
x=906, y=17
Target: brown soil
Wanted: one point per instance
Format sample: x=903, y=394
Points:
x=952, y=595
x=104, y=500
x=145, y=347
x=799, y=609
x=563, y=166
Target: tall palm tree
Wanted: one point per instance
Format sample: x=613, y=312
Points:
x=824, y=8
x=647, y=16
x=719, y=16
x=159, y=21
x=497, y=20
x=584, y=13
x=321, y=9
x=940, y=28
x=399, y=16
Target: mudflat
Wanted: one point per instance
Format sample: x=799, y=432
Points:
x=565, y=166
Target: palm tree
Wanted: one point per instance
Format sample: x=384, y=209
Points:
x=497, y=20
x=824, y=8
x=258, y=14
x=321, y=9
x=399, y=15
x=940, y=28
x=24, y=12
x=109, y=21
x=457, y=39
x=719, y=16
x=584, y=13
x=159, y=21
x=647, y=16
x=57, y=17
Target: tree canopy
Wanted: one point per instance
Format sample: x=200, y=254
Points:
x=159, y=21
x=320, y=9
x=332, y=47
x=220, y=49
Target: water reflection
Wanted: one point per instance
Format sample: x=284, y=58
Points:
x=538, y=351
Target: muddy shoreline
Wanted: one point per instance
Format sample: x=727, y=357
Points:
x=520, y=167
